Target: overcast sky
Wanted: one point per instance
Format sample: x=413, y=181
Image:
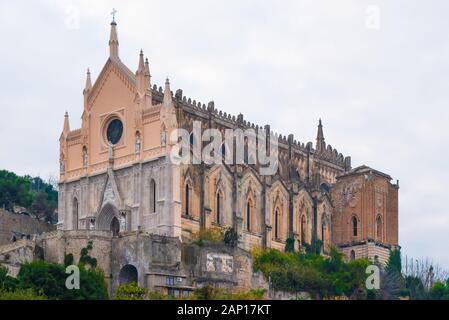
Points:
x=376, y=72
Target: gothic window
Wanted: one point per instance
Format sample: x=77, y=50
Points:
x=352, y=255
x=323, y=232
x=114, y=131
x=219, y=204
x=75, y=214
x=276, y=224
x=354, y=226
x=379, y=228
x=303, y=230
x=223, y=151
x=152, y=196
x=187, y=200
x=248, y=215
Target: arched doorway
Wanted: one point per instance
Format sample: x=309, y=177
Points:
x=108, y=219
x=128, y=274
x=115, y=226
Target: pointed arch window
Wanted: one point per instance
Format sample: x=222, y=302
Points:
x=303, y=229
x=354, y=226
x=276, y=224
x=75, y=214
x=187, y=200
x=352, y=255
x=152, y=196
x=219, y=205
x=379, y=228
x=248, y=215
x=323, y=232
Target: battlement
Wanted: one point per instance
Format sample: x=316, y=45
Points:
x=195, y=107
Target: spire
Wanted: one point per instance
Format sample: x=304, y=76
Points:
x=147, y=69
x=320, y=144
x=142, y=75
x=113, y=40
x=167, y=93
x=66, y=124
x=141, y=68
x=88, y=82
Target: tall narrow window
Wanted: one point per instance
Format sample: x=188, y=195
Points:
x=379, y=228
x=354, y=226
x=75, y=214
x=276, y=224
x=303, y=230
x=323, y=232
x=248, y=215
x=152, y=196
x=218, y=209
x=187, y=196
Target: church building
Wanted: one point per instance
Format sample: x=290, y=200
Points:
x=116, y=175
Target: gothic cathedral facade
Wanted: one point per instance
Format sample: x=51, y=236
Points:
x=116, y=175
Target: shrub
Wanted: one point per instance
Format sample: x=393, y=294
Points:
x=49, y=278
x=130, y=291
x=20, y=294
x=231, y=238
x=214, y=234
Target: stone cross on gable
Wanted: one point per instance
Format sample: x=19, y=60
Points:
x=113, y=14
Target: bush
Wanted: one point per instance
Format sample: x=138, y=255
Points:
x=214, y=234
x=130, y=291
x=7, y=283
x=212, y=293
x=20, y=294
x=49, y=278
x=231, y=238
x=311, y=272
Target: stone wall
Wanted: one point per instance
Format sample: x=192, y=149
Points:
x=18, y=225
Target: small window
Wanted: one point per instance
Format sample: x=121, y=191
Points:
x=170, y=281
x=187, y=199
x=379, y=228
x=276, y=224
x=248, y=215
x=352, y=255
x=152, y=196
x=354, y=226
x=303, y=230
x=218, y=208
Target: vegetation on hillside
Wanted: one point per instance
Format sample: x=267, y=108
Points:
x=44, y=280
x=321, y=277
x=40, y=198
x=132, y=291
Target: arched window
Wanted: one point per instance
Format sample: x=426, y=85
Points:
x=354, y=226
x=248, y=215
x=218, y=208
x=323, y=232
x=187, y=200
x=379, y=228
x=276, y=224
x=303, y=230
x=223, y=151
x=152, y=196
x=352, y=255
x=75, y=214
